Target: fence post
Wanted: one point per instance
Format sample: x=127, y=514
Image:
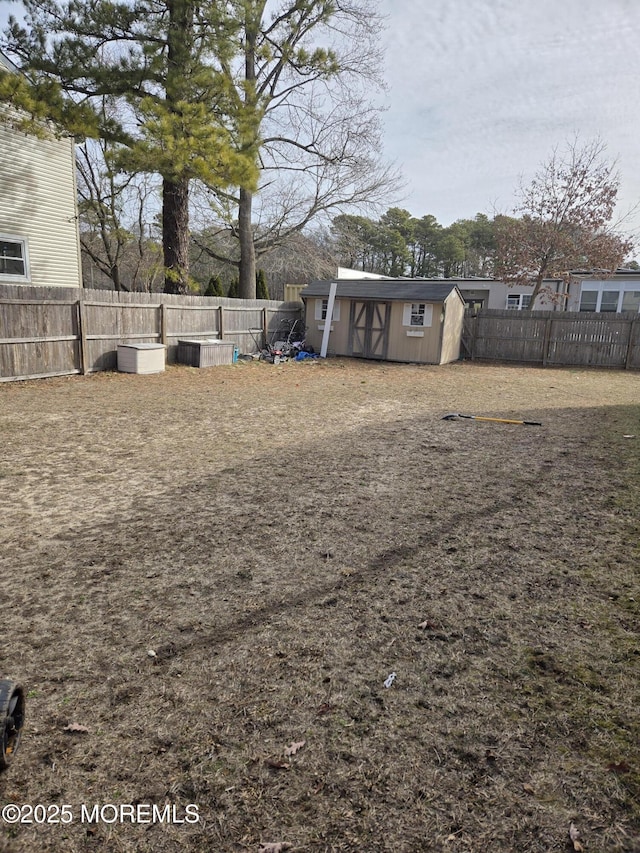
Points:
x=547, y=341
x=82, y=333
x=265, y=323
x=474, y=335
x=221, y=323
x=163, y=323
x=632, y=328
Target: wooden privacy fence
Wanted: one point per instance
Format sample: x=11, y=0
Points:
x=58, y=331
x=554, y=338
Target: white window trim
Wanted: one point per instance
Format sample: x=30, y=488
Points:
x=599, y=287
x=520, y=297
x=321, y=307
x=21, y=279
x=427, y=317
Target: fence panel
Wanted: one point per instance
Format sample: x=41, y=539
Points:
x=552, y=338
x=107, y=323
x=589, y=340
x=38, y=338
x=59, y=331
x=510, y=336
x=633, y=353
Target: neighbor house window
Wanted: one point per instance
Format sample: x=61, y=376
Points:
x=322, y=306
x=609, y=301
x=14, y=262
x=518, y=301
x=589, y=300
x=631, y=300
x=417, y=314
x=601, y=296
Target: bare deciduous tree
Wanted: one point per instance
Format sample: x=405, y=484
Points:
x=306, y=109
x=565, y=221
x=115, y=234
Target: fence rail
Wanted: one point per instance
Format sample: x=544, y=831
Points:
x=553, y=338
x=61, y=331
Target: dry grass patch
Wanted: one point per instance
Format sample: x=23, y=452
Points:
x=282, y=539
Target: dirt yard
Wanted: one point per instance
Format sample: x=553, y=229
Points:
x=207, y=577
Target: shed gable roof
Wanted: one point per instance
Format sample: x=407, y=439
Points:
x=403, y=290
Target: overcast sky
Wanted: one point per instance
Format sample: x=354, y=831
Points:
x=480, y=92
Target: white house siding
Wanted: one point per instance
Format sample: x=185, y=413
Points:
x=38, y=202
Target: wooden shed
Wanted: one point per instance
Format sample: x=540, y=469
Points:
x=406, y=320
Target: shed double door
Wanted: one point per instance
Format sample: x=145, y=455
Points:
x=369, y=329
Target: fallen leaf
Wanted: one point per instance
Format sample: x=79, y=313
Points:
x=619, y=767
x=427, y=625
x=528, y=789
x=295, y=747
x=574, y=835
x=76, y=728
x=277, y=764
x=273, y=847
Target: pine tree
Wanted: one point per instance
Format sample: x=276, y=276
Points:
x=262, y=291
x=161, y=63
x=214, y=287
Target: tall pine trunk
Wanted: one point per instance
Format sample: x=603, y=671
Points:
x=175, y=186
x=247, y=283
x=175, y=234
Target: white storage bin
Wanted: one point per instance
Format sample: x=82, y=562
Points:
x=141, y=358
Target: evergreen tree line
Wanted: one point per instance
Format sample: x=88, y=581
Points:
x=399, y=244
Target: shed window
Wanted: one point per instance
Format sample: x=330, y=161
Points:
x=321, y=310
x=417, y=314
x=13, y=258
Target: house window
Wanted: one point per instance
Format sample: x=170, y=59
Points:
x=322, y=306
x=518, y=301
x=14, y=262
x=417, y=314
x=609, y=301
x=589, y=300
x=602, y=297
x=631, y=300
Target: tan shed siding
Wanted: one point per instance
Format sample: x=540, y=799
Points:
x=339, y=337
x=452, y=328
x=38, y=201
x=418, y=344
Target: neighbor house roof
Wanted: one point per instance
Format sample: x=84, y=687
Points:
x=6, y=64
x=402, y=289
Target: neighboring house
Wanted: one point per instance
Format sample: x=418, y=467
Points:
x=39, y=240
x=408, y=320
x=592, y=292
x=292, y=291
x=347, y=273
x=489, y=293
x=586, y=291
